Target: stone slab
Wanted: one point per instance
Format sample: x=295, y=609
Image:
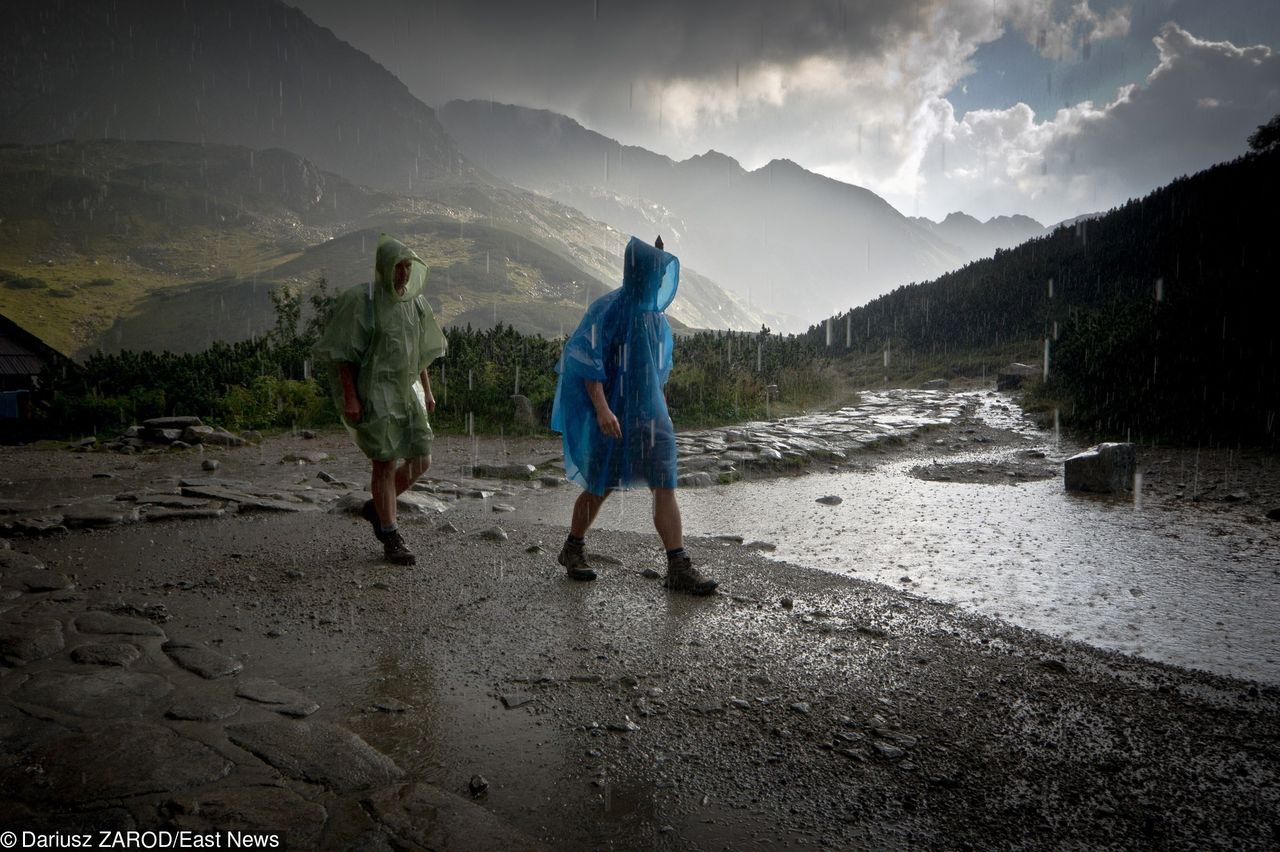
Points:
x=108, y=623
x=27, y=639
x=113, y=761
x=198, y=659
x=318, y=752
x=106, y=654
x=113, y=694
x=282, y=699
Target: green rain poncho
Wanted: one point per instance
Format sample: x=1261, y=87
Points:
x=389, y=338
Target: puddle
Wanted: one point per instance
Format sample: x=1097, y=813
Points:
x=1190, y=585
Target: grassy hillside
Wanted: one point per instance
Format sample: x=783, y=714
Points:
x=1159, y=315
x=164, y=245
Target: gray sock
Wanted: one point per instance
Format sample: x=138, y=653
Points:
x=390, y=529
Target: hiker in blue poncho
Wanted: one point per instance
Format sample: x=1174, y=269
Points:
x=611, y=411
x=375, y=349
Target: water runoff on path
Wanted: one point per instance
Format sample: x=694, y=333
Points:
x=1177, y=584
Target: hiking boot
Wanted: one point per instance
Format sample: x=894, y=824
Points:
x=396, y=550
x=370, y=514
x=683, y=577
x=575, y=564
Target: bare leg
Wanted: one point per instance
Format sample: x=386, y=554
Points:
x=408, y=472
x=585, y=509
x=383, y=487
x=666, y=518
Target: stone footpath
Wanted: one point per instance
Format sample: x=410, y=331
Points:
x=707, y=457
x=114, y=719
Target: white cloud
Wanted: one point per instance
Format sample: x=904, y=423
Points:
x=1196, y=108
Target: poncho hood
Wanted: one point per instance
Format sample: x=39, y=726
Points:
x=390, y=252
x=650, y=276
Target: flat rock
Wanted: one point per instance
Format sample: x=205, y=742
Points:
x=16, y=562
x=198, y=709
x=255, y=810
x=112, y=761
x=279, y=698
x=494, y=533
x=112, y=694
x=512, y=700
x=34, y=525
x=417, y=503
x=830, y=500
x=171, y=501
x=247, y=502
x=422, y=816
x=44, y=581
x=99, y=516
x=178, y=422
x=318, y=752
x=95, y=621
x=887, y=750
x=185, y=514
x=206, y=662
x=701, y=479
x=304, y=457
x=504, y=471
x=25, y=640
x=106, y=654
x=223, y=439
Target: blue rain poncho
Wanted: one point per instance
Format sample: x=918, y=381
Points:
x=624, y=342
x=389, y=338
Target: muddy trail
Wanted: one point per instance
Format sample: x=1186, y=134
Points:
x=798, y=708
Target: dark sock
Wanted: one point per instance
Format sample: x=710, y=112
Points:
x=573, y=541
x=676, y=554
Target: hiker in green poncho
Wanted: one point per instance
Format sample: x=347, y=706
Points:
x=377, y=345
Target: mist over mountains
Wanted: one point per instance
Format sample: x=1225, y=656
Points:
x=273, y=136
x=785, y=237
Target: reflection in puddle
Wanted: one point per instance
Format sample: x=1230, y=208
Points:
x=1183, y=585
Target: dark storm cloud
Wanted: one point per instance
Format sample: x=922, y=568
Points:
x=549, y=50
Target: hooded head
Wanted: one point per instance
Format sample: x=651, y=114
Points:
x=390, y=252
x=650, y=275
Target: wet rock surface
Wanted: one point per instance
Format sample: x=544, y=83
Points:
x=201, y=660
x=925, y=726
x=319, y=752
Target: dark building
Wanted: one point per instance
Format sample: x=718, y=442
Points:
x=25, y=361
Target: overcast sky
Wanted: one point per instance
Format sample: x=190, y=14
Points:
x=993, y=107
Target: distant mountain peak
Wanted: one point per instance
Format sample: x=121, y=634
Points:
x=958, y=217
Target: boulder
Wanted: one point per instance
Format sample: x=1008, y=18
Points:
x=1015, y=375
x=504, y=471
x=523, y=411
x=701, y=479
x=935, y=384
x=162, y=436
x=195, y=434
x=178, y=423
x=222, y=439
x=1104, y=469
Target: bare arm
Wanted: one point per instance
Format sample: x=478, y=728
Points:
x=605, y=418
x=427, y=396
x=351, y=407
